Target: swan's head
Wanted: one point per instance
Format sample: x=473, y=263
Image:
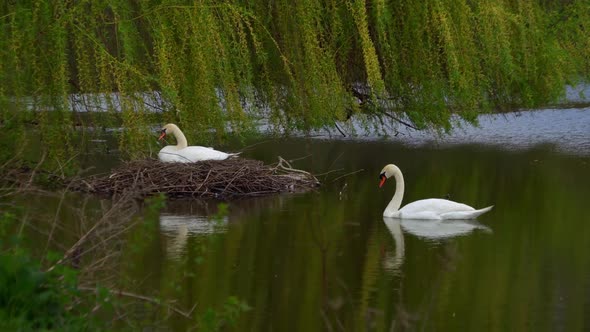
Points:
x=387, y=172
x=166, y=130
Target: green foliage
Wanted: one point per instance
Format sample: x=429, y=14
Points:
x=29, y=295
x=220, y=67
x=215, y=320
x=11, y=139
x=32, y=299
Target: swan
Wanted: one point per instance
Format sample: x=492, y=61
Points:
x=181, y=153
x=431, y=209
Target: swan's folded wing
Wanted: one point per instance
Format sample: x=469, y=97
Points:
x=199, y=153
x=435, y=205
x=465, y=214
x=169, y=154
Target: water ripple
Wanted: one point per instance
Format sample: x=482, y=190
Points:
x=567, y=130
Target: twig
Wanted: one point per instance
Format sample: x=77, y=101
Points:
x=330, y=171
x=84, y=237
x=336, y=159
x=36, y=168
x=144, y=298
x=338, y=127
x=291, y=169
x=54, y=223
x=347, y=174
x=255, y=144
x=300, y=158
x=407, y=124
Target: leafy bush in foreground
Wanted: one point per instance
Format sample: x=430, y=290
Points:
x=33, y=299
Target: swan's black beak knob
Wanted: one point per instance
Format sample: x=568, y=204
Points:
x=162, y=134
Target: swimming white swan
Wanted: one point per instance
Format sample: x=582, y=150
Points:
x=181, y=153
x=432, y=208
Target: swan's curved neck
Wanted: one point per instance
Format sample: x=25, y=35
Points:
x=396, y=201
x=181, y=142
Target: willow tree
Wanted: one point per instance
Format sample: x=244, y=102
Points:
x=227, y=67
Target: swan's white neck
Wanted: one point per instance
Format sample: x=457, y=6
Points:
x=395, y=203
x=181, y=142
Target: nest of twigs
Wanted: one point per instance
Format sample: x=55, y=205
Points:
x=219, y=179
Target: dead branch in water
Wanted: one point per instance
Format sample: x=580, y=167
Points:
x=113, y=223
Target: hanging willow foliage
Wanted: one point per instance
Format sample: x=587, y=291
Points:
x=226, y=66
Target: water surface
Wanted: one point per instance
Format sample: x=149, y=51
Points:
x=328, y=260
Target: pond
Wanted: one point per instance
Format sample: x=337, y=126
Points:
x=328, y=261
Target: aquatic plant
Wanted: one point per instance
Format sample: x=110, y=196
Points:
x=293, y=65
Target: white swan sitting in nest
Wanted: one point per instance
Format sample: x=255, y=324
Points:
x=182, y=153
x=432, y=209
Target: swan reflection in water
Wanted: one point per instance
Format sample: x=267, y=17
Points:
x=440, y=230
x=177, y=228
x=434, y=231
x=393, y=262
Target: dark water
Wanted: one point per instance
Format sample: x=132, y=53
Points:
x=329, y=261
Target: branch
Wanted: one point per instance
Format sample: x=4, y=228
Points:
x=152, y=300
x=338, y=127
x=399, y=120
x=347, y=174
x=105, y=218
x=365, y=99
x=291, y=169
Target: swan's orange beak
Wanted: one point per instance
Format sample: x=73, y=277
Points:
x=162, y=135
x=383, y=178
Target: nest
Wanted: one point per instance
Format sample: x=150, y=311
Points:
x=219, y=179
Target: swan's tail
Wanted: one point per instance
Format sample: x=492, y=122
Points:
x=235, y=154
x=470, y=214
x=479, y=212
